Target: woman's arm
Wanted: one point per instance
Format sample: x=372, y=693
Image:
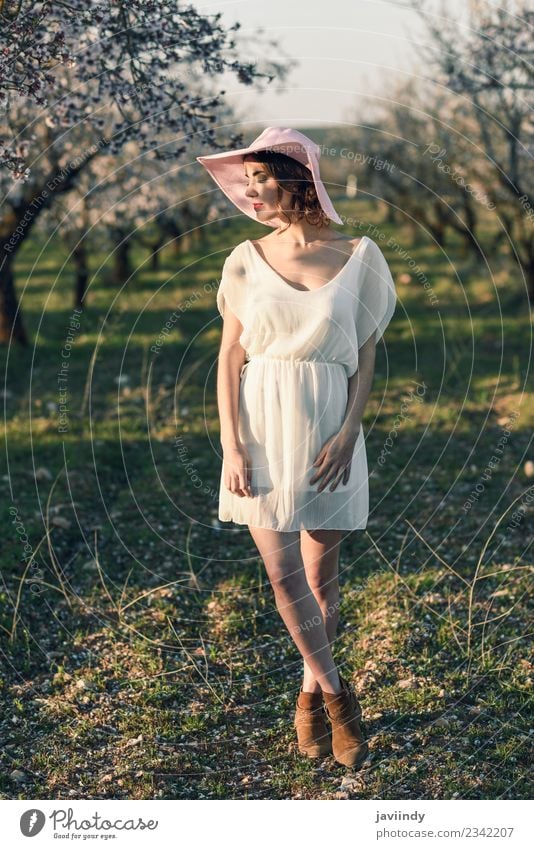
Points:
x=335, y=456
x=231, y=359
x=236, y=461
x=359, y=388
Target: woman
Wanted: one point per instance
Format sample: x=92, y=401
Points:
x=305, y=307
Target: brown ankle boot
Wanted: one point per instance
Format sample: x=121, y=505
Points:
x=313, y=734
x=344, y=712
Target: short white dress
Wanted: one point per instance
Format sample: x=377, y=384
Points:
x=301, y=348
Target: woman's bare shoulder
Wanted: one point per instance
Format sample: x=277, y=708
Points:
x=235, y=260
x=351, y=243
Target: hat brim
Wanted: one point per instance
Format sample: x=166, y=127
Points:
x=226, y=169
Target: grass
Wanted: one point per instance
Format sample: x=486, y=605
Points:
x=143, y=656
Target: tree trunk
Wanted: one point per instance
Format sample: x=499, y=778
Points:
x=470, y=230
x=183, y=243
x=390, y=216
x=438, y=228
x=79, y=255
x=16, y=224
x=434, y=224
x=155, y=253
x=11, y=324
x=122, y=263
x=472, y=244
x=529, y=275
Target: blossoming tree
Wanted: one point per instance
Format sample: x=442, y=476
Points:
x=79, y=80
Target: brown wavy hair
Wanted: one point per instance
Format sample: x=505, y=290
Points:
x=298, y=181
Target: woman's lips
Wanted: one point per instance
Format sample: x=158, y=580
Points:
x=257, y=205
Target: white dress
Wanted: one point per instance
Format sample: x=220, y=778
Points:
x=301, y=346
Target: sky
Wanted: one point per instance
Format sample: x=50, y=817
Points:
x=348, y=53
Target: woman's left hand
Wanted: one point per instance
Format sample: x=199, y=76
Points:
x=334, y=460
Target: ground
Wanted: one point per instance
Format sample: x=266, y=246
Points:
x=142, y=653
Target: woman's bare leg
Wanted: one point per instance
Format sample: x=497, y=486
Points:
x=320, y=553
x=296, y=603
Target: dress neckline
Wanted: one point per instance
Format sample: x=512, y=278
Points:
x=292, y=285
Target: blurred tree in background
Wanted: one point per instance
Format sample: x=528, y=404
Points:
x=79, y=81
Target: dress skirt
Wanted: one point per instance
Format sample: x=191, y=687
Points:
x=287, y=411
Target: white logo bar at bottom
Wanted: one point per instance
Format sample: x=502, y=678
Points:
x=359, y=823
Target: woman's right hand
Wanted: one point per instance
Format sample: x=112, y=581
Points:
x=237, y=466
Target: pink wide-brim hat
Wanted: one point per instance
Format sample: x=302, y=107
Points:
x=226, y=168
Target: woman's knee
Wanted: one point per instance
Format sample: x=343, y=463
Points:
x=286, y=575
x=323, y=584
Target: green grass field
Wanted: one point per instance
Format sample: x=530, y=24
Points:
x=142, y=653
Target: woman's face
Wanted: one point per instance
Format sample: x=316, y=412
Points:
x=262, y=189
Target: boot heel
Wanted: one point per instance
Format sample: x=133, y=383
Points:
x=313, y=735
x=344, y=711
